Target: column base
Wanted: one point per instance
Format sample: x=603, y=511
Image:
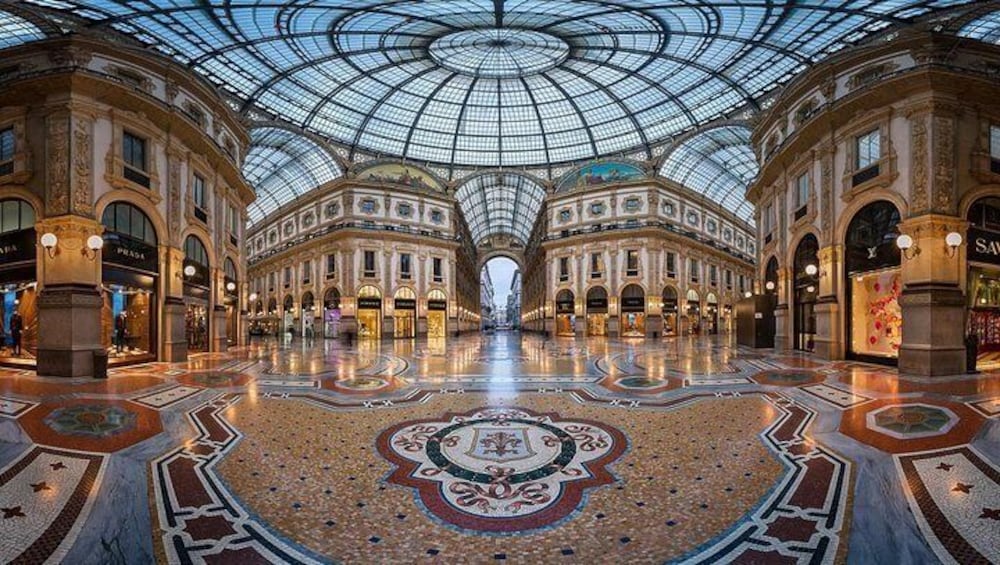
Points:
x=174, y=339
x=933, y=330
x=69, y=322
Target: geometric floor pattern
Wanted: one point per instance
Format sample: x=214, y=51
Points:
x=501, y=448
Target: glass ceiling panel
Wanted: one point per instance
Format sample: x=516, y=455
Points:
x=718, y=163
x=984, y=28
x=15, y=30
x=500, y=203
x=587, y=77
x=283, y=165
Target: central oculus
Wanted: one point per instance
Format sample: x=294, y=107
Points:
x=498, y=52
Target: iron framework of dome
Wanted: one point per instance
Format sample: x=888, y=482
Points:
x=473, y=84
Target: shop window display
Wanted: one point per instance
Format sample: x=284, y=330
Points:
x=669, y=310
x=369, y=316
x=872, y=265
x=565, y=313
x=984, y=280
x=331, y=313
x=130, y=274
x=19, y=319
x=597, y=312
x=437, y=315
x=633, y=309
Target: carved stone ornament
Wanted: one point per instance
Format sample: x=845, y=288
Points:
x=944, y=163
x=870, y=75
x=826, y=188
x=83, y=154
x=70, y=56
x=918, y=165
x=174, y=182
x=57, y=158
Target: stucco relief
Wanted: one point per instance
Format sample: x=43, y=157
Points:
x=83, y=174
x=944, y=163
x=57, y=153
x=918, y=164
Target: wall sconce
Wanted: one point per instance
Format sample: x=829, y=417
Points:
x=769, y=285
x=810, y=289
x=49, y=242
x=811, y=270
x=189, y=271
x=747, y=294
x=905, y=244
x=253, y=296
x=953, y=240
x=94, y=244
x=230, y=286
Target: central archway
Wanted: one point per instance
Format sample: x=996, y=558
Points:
x=500, y=293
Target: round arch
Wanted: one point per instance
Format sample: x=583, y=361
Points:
x=369, y=312
x=972, y=196
x=140, y=202
x=20, y=193
x=869, y=197
x=873, y=283
x=597, y=311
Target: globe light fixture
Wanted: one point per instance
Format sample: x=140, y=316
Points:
x=953, y=240
x=748, y=294
x=189, y=271
x=905, y=244
x=230, y=286
x=94, y=244
x=769, y=285
x=811, y=269
x=49, y=242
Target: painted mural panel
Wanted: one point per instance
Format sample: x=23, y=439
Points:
x=397, y=173
x=600, y=173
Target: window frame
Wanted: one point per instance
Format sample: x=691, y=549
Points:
x=859, y=142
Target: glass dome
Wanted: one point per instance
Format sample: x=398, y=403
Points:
x=486, y=83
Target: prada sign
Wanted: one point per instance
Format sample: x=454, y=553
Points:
x=437, y=305
x=369, y=303
x=130, y=253
x=597, y=305
x=984, y=246
x=406, y=304
x=564, y=307
x=634, y=304
x=17, y=246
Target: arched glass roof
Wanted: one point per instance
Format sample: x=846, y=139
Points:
x=15, y=30
x=497, y=82
x=283, y=165
x=500, y=204
x=984, y=28
x=719, y=163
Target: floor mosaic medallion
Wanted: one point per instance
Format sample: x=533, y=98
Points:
x=501, y=469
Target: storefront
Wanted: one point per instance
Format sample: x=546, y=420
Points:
x=633, y=311
x=197, y=293
x=231, y=301
x=18, y=304
x=369, y=312
x=269, y=323
x=983, y=254
x=805, y=283
x=565, y=313
x=129, y=276
x=693, y=311
x=331, y=313
x=872, y=267
x=597, y=311
x=405, y=313
x=437, y=314
x=308, y=315
x=288, y=316
x=669, y=309
x=711, y=324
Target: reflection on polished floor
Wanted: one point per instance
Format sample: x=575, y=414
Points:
x=500, y=448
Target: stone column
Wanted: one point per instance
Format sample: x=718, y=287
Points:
x=174, y=340
x=829, y=327
x=932, y=302
x=782, y=317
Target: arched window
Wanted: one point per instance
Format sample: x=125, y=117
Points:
x=871, y=238
x=16, y=215
x=308, y=301
x=196, y=267
x=125, y=219
x=331, y=299
x=229, y=268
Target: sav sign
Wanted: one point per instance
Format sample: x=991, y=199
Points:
x=984, y=246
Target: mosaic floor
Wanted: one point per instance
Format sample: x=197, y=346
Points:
x=500, y=448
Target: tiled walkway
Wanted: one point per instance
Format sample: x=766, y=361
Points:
x=500, y=448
